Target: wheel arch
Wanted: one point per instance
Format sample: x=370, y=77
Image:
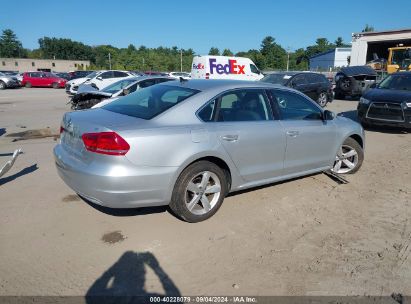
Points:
x=358, y=139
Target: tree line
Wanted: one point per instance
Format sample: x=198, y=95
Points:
x=270, y=55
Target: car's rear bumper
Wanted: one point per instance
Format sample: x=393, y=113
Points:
x=120, y=186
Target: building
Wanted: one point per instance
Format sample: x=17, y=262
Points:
x=331, y=59
x=370, y=45
x=48, y=65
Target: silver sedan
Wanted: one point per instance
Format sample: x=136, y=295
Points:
x=188, y=143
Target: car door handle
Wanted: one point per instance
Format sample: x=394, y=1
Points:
x=229, y=137
x=293, y=133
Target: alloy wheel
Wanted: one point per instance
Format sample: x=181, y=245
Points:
x=322, y=99
x=202, y=193
x=346, y=160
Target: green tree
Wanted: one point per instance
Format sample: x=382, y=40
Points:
x=10, y=46
x=214, y=51
x=227, y=52
x=368, y=28
x=275, y=56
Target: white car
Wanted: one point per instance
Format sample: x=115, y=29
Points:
x=97, y=79
x=177, y=75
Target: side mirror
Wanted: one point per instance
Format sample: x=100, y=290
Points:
x=99, y=78
x=126, y=92
x=328, y=115
x=373, y=86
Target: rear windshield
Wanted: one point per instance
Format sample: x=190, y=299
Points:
x=276, y=78
x=150, y=102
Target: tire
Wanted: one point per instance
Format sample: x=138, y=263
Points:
x=322, y=99
x=189, y=197
x=28, y=85
x=349, y=154
x=338, y=95
x=55, y=85
x=2, y=85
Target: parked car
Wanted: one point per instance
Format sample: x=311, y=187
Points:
x=177, y=75
x=98, y=79
x=354, y=81
x=8, y=81
x=65, y=76
x=42, y=79
x=88, y=99
x=189, y=143
x=314, y=85
x=388, y=103
x=224, y=67
x=79, y=74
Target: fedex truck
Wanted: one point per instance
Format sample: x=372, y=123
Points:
x=224, y=67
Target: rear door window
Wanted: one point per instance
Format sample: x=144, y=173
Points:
x=244, y=105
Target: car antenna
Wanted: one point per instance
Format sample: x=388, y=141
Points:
x=183, y=80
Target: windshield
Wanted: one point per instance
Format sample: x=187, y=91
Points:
x=396, y=82
x=119, y=85
x=150, y=102
x=2, y=74
x=276, y=78
x=92, y=75
x=401, y=57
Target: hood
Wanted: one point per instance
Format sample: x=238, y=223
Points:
x=90, y=95
x=78, y=80
x=396, y=96
x=358, y=70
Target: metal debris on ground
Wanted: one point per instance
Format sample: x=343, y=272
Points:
x=337, y=178
x=10, y=163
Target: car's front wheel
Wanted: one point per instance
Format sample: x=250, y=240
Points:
x=2, y=85
x=55, y=85
x=349, y=157
x=199, y=192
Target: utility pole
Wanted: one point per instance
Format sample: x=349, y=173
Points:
x=109, y=59
x=181, y=60
x=288, y=58
x=143, y=64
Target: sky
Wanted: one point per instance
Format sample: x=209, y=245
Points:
x=238, y=25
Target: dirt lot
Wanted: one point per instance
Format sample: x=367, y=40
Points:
x=309, y=236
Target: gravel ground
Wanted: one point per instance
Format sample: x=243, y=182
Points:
x=308, y=236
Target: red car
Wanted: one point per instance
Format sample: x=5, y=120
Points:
x=42, y=79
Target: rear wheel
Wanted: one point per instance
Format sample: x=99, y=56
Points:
x=2, y=85
x=199, y=192
x=349, y=157
x=28, y=85
x=55, y=85
x=322, y=99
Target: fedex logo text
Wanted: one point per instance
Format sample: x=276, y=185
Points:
x=230, y=68
x=198, y=66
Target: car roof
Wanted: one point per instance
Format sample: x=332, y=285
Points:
x=219, y=84
x=402, y=73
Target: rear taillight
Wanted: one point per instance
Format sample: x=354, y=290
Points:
x=62, y=129
x=109, y=143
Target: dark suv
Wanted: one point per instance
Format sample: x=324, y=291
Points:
x=388, y=103
x=79, y=74
x=314, y=85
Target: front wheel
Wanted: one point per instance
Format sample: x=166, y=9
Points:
x=2, y=85
x=199, y=192
x=55, y=85
x=322, y=99
x=349, y=157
